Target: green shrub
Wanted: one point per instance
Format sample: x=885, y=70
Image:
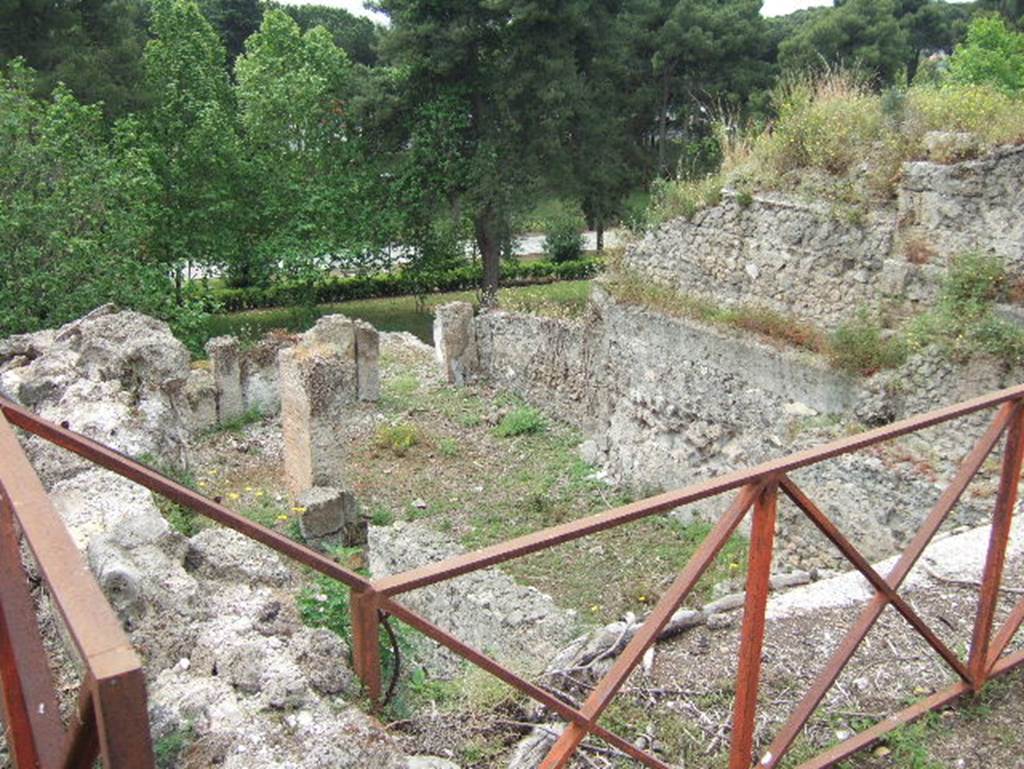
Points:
x=168, y=749
x=992, y=55
x=672, y=199
x=397, y=438
x=524, y=420
x=564, y=240
x=861, y=347
x=963, y=323
x=343, y=289
x=974, y=280
x=250, y=416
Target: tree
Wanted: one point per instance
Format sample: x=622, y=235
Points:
x=309, y=177
x=235, y=20
x=93, y=46
x=358, y=36
x=607, y=159
x=692, y=57
x=76, y=211
x=863, y=33
x=193, y=144
x=491, y=88
x=992, y=55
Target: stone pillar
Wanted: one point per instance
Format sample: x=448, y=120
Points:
x=227, y=376
x=455, y=342
x=367, y=361
x=317, y=384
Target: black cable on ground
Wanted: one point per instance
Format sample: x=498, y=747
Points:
x=396, y=667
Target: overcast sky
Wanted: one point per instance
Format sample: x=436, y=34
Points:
x=352, y=6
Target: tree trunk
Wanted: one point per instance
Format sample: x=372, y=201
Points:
x=599, y=229
x=486, y=227
x=663, y=122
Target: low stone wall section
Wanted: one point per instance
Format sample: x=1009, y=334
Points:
x=823, y=264
x=486, y=609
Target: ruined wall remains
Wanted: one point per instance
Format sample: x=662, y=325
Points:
x=665, y=402
x=658, y=396
x=822, y=263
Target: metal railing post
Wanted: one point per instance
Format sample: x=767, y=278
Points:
x=748, y=676
x=1002, y=518
x=366, y=643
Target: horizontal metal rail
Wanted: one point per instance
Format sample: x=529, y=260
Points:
x=758, y=488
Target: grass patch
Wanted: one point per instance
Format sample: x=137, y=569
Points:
x=524, y=420
x=397, y=438
x=168, y=749
x=181, y=519
x=631, y=288
x=862, y=347
x=566, y=299
x=250, y=416
x=684, y=198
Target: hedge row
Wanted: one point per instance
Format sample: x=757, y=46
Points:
x=337, y=289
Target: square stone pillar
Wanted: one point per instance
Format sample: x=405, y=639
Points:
x=455, y=342
x=227, y=376
x=367, y=361
x=318, y=385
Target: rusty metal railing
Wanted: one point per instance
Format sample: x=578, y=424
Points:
x=755, y=488
x=111, y=721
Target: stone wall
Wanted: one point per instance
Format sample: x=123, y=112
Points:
x=658, y=397
x=948, y=209
x=818, y=262
x=664, y=402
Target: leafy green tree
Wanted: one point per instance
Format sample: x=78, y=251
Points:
x=235, y=20
x=862, y=33
x=75, y=211
x=309, y=179
x=993, y=55
x=491, y=88
x=691, y=58
x=193, y=143
x=358, y=36
x=93, y=46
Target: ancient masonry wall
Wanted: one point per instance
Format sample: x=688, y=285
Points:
x=813, y=261
x=658, y=396
x=664, y=402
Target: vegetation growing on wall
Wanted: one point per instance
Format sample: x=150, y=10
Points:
x=837, y=136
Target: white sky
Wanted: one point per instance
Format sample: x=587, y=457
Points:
x=782, y=7
x=352, y=6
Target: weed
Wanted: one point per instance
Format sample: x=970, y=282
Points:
x=963, y=323
x=265, y=512
x=630, y=288
x=524, y=420
x=382, y=516
x=250, y=416
x=673, y=199
x=861, y=346
x=181, y=519
x=449, y=447
x=397, y=438
x=168, y=748
x=744, y=199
